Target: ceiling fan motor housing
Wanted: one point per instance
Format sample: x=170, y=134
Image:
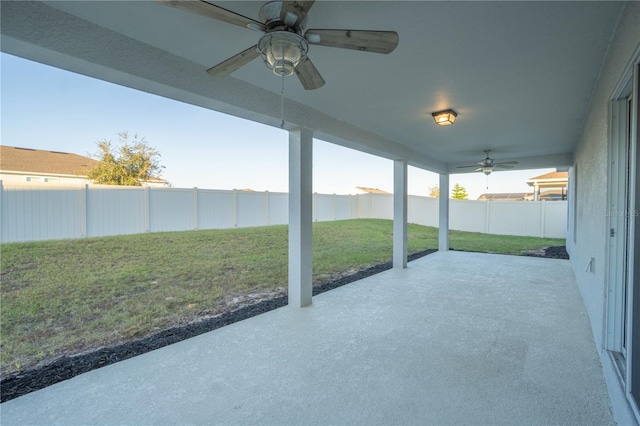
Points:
x=270, y=13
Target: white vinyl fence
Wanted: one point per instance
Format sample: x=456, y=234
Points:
x=30, y=213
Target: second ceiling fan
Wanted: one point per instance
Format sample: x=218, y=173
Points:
x=488, y=165
x=285, y=43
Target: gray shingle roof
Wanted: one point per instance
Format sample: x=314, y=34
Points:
x=29, y=160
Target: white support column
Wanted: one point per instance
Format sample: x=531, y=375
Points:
x=400, y=214
x=300, y=216
x=443, y=222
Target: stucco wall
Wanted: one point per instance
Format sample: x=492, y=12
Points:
x=591, y=158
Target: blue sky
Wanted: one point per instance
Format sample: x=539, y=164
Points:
x=47, y=108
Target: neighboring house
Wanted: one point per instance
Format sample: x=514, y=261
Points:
x=371, y=190
x=37, y=166
x=556, y=184
x=549, y=187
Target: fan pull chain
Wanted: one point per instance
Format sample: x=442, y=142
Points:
x=282, y=104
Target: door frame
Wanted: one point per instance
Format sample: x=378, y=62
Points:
x=624, y=204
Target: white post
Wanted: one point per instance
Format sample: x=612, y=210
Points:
x=400, y=214
x=83, y=210
x=266, y=208
x=146, y=210
x=3, y=214
x=314, y=218
x=234, y=208
x=443, y=220
x=194, y=207
x=543, y=214
x=300, y=217
x=334, y=207
x=355, y=213
x=487, y=217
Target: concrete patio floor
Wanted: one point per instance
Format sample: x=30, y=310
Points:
x=457, y=338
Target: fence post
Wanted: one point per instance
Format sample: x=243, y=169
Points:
x=315, y=207
x=487, y=217
x=543, y=208
x=235, y=208
x=353, y=201
x=194, y=206
x=266, y=208
x=146, y=211
x=334, y=207
x=83, y=209
x=3, y=214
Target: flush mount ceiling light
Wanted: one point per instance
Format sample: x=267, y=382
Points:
x=282, y=51
x=444, y=118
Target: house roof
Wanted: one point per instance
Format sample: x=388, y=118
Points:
x=552, y=175
x=559, y=179
x=16, y=159
x=372, y=190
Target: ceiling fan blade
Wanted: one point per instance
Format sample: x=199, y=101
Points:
x=466, y=167
x=506, y=162
x=502, y=166
x=212, y=11
x=293, y=11
x=367, y=41
x=234, y=62
x=309, y=75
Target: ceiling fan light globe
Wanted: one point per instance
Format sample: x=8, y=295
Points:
x=487, y=170
x=282, y=51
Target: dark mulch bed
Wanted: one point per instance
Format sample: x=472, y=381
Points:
x=556, y=252
x=70, y=366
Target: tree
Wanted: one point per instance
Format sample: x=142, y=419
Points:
x=434, y=191
x=459, y=193
x=130, y=163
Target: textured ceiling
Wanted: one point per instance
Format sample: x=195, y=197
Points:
x=519, y=74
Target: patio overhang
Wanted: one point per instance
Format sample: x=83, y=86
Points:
x=519, y=74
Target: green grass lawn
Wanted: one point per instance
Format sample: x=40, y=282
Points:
x=69, y=296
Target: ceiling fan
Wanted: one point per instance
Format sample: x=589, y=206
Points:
x=285, y=42
x=488, y=164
